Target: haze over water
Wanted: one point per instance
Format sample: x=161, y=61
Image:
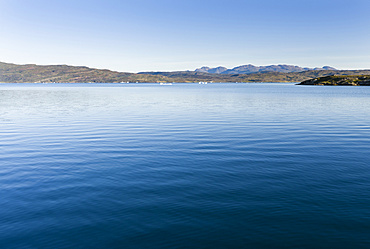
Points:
x=184, y=166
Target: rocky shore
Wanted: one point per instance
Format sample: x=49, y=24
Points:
x=339, y=80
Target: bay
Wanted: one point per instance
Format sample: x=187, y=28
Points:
x=252, y=165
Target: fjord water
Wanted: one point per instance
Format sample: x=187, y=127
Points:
x=184, y=166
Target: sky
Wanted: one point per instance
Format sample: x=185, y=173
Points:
x=170, y=35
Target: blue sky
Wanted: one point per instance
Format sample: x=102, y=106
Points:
x=164, y=35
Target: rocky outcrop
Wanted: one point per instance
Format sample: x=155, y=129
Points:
x=339, y=80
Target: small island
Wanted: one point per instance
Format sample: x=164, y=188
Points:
x=339, y=80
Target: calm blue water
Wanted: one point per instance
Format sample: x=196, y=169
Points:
x=184, y=166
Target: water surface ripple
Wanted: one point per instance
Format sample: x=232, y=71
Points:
x=184, y=166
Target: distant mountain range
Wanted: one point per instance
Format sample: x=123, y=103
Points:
x=249, y=69
x=31, y=73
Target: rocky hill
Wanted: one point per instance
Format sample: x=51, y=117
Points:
x=31, y=73
x=342, y=80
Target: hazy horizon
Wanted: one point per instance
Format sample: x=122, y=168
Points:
x=191, y=70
